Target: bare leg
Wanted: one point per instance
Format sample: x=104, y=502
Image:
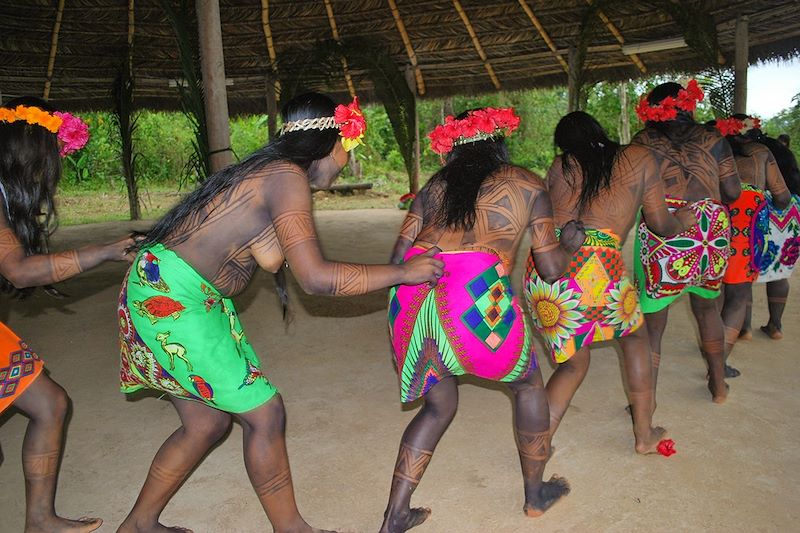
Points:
x=639, y=374
x=777, y=293
x=656, y=324
x=202, y=426
x=746, y=331
x=416, y=449
x=267, y=466
x=733, y=312
x=712, y=337
x=563, y=384
x=531, y=425
x=46, y=404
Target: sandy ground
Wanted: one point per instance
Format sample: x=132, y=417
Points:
x=736, y=468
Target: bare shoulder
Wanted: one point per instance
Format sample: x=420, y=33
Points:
x=521, y=177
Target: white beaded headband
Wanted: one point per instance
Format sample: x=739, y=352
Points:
x=317, y=123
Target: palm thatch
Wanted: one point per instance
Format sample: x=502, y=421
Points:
x=443, y=44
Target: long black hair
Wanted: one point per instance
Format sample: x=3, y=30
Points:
x=301, y=147
x=30, y=169
x=677, y=129
x=583, y=140
x=466, y=167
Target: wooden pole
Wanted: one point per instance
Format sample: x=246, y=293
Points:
x=413, y=178
x=543, y=34
x=476, y=43
x=412, y=55
x=740, y=66
x=272, y=108
x=212, y=64
x=335, y=32
x=51, y=61
x=624, y=116
x=573, y=87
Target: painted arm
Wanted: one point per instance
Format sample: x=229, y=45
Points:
x=289, y=205
x=24, y=271
x=550, y=255
x=411, y=227
x=730, y=186
x=775, y=182
x=654, y=207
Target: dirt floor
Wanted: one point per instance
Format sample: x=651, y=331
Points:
x=735, y=470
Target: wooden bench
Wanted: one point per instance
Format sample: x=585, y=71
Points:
x=344, y=188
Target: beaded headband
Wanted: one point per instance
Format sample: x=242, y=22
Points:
x=349, y=119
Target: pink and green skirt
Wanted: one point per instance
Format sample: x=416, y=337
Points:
x=594, y=301
x=780, y=231
x=179, y=335
x=469, y=323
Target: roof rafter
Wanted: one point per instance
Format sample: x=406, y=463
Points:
x=543, y=34
x=335, y=31
x=412, y=55
x=51, y=61
x=619, y=37
x=477, y=44
x=273, y=56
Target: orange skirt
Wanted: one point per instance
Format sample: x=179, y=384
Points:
x=19, y=367
x=744, y=243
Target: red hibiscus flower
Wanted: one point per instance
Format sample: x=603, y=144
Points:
x=667, y=447
x=351, y=122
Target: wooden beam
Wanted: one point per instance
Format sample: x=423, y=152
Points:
x=740, y=65
x=212, y=63
x=477, y=44
x=131, y=33
x=51, y=61
x=543, y=34
x=273, y=87
x=335, y=32
x=619, y=37
x=573, y=81
x=413, y=178
x=412, y=55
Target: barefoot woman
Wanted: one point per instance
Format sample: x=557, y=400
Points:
x=476, y=210
x=178, y=328
x=31, y=137
x=603, y=185
x=696, y=165
x=759, y=173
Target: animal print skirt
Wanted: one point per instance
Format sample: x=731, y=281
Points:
x=179, y=335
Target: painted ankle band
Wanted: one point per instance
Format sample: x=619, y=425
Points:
x=275, y=484
x=655, y=359
x=534, y=446
x=710, y=347
x=40, y=466
x=731, y=335
x=411, y=463
x=776, y=299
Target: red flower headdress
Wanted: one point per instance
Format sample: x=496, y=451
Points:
x=71, y=130
x=735, y=126
x=348, y=118
x=478, y=125
x=668, y=108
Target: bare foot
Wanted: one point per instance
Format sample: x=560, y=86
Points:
x=731, y=372
x=649, y=444
x=549, y=493
x=56, y=524
x=772, y=332
x=397, y=523
x=719, y=393
x=132, y=527
x=746, y=334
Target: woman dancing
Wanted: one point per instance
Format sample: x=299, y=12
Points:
x=179, y=331
x=32, y=135
x=604, y=185
x=476, y=210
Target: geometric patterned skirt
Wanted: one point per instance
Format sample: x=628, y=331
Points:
x=781, y=235
x=19, y=367
x=469, y=323
x=594, y=301
x=745, y=241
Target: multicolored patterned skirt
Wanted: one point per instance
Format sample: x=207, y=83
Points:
x=780, y=231
x=469, y=323
x=693, y=261
x=180, y=336
x=594, y=301
x=745, y=242
x=19, y=367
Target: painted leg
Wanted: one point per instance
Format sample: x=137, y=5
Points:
x=531, y=427
x=777, y=293
x=46, y=404
x=746, y=331
x=712, y=336
x=639, y=375
x=564, y=383
x=267, y=464
x=733, y=312
x=416, y=449
x=201, y=428
x=656, y=324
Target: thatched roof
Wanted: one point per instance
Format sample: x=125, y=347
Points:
x=93, y=34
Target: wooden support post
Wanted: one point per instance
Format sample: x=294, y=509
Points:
x=740, y=65
x=574, y=86
x=413, y=179
x=51, y=61
x=624, y=114
x=212, y=64
x=272, y=108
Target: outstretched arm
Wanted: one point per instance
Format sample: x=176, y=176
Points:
x=550, y=256
x=411, y=227
x=24, y=271
x=775, y=182
x=289, y=207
